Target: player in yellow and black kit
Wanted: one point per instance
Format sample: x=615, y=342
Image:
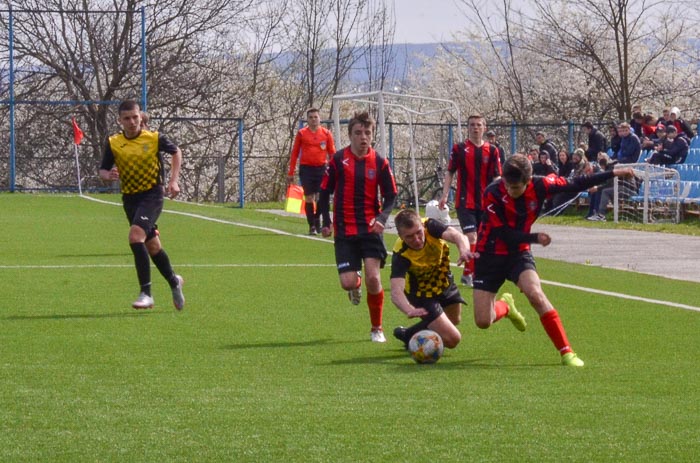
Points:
x=421, y=281
x=133, y=157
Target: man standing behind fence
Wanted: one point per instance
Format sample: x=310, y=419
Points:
x=477, y=164
x=313, y=145
x=139, y=168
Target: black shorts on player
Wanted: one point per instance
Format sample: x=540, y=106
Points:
x=350, y=251
x=143, y=209
x=469, y=219
x=310, y=177
x=434, y=305
x=492, y=270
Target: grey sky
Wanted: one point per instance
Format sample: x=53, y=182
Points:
x=427, y=21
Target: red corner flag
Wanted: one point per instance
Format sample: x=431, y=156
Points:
x=77, y=133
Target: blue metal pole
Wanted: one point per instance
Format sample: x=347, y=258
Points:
x=144, y=91
x=391, y=145
x=450, y=138
x=571, y=136
x=12, y=102
x=241, y=176
x=513, y=137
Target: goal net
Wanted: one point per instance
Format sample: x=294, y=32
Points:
x=414, y=132
x=654, y=196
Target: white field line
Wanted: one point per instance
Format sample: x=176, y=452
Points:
x=280, y=232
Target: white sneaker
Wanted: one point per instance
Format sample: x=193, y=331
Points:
x=467, y=280
x=178, y=297
x=377, y=335
x=144, y=301
x=355, y=295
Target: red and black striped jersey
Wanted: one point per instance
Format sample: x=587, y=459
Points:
x=506, y=222
x=476, y=167
x=356, y=184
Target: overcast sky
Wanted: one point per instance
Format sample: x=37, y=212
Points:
x=427, y=21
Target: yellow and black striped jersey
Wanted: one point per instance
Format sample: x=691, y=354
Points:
x=138, y=159
x=427, y=270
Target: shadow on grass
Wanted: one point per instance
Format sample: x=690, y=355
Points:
x=111, y=254
x=407, y=364
x=81, y=316
x=267, y=345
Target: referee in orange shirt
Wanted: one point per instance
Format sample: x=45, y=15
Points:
x=313, y=146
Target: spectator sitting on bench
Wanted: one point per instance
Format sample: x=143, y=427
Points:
x=544, y=165
x=682, y=126
x=674, y=151
x=651, y=143
x=630, y=146
x=566, y=165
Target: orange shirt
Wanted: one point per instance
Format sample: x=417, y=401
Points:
x=312, y=148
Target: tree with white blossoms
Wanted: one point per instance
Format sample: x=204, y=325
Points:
x=568, y=59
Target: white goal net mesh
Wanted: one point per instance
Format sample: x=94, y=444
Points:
x=654, y=196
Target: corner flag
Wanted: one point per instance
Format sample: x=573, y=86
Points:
x=77, y=133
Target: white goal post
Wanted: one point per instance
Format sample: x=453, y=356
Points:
x=405, y=103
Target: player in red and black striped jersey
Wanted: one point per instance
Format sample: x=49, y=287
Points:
x=511, y=206
x=477, y=164
x=358, y=177
x=133, y=157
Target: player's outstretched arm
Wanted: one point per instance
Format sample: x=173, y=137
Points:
x=624, y=172
x=398, y=297
x=455, y=236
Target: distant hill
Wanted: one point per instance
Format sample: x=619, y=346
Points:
x=408, y=57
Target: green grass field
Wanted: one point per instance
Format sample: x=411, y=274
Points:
x=270, y=363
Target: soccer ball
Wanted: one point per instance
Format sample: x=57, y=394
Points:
x=426, y=346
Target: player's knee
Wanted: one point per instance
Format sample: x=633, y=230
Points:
x=482, y=322
x=451, y=341
x=374, y=283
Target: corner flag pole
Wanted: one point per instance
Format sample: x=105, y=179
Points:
x=77, y=138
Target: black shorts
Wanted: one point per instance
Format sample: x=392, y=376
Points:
x=311, y=177
x=434, y=305
x=469, y=219
x=143, y=209
x=491, y=270
x=350, y=251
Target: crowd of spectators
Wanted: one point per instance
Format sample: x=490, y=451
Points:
x=664, y=140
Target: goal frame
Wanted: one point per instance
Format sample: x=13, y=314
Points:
x=404, y=102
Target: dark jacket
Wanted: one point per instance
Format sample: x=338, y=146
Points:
x=630, y=148
x=549, y=147
x=596, y=144
x=675, y=152
x=566, y=169
x=615, y=143
x=543, y=169
x=683, y=128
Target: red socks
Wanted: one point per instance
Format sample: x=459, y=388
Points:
x=469, y=268
x=501, y=310
x=375, y=302
x=552, y=325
